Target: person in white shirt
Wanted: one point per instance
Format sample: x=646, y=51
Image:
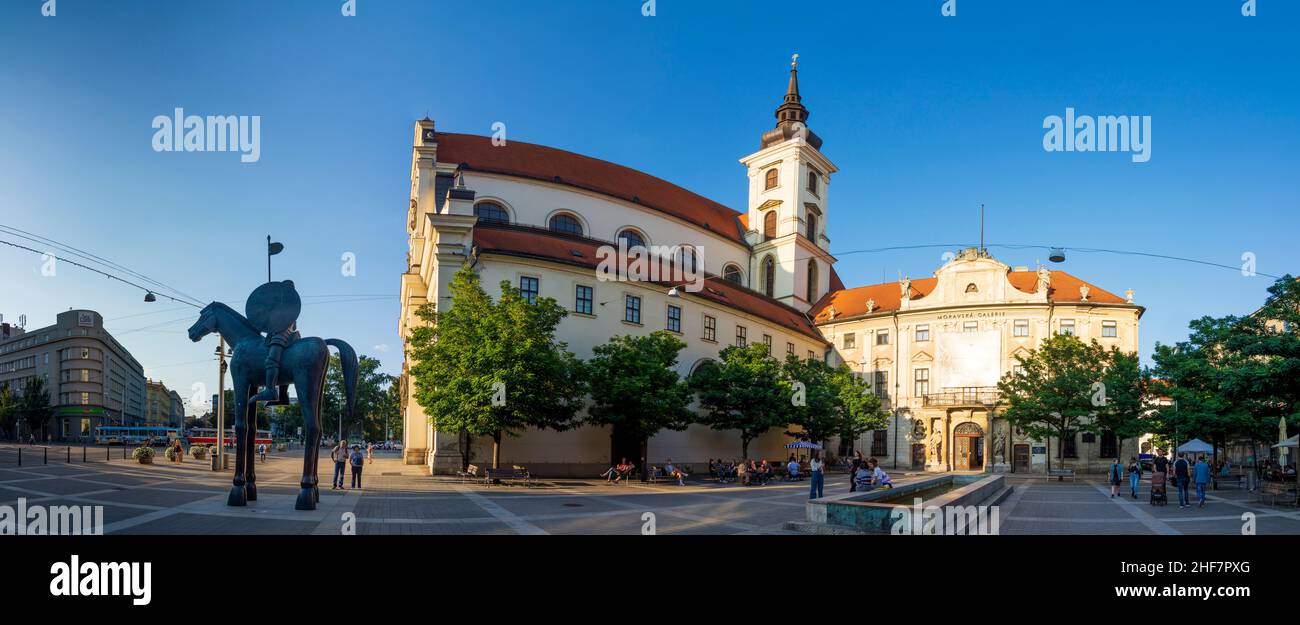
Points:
x=818, y=482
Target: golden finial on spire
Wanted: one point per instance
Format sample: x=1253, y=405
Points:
x=794, y=61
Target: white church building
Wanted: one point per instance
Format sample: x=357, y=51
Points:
x=537, y=217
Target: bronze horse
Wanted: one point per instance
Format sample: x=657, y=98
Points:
x=304, y=363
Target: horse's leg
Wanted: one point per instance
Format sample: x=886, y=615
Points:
x=238, y=497
x=308, y=402
x=250, y=446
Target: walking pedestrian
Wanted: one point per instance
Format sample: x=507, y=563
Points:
x=178, y=454
x=1182, y=478
x=370, y=453
x=358, y=463
x=1116, y=472
x=1202, y=474
x=854, y=464
x=1134, y=474
x=818, y=480
x=340, y=457
x=261, y=450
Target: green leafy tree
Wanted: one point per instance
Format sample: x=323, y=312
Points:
x=386, y=418
x=1120, y=402
x=744, y=391
x=493, y=368
x=830, y=401
x=1234, y=376
x=34, y=405
x=8, y=410
x=860, y=408
x=1066, y=386
x=635, y=389
x=371, y=386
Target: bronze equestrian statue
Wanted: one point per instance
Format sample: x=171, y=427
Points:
x=273, y=360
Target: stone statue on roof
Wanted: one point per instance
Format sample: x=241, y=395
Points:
x=871, y=305
x=905, y=287
x=1083, y=292
x=1044, y=278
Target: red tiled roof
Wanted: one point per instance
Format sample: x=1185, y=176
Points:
x=1064, y=288
x=572, y=250
x=539, y=162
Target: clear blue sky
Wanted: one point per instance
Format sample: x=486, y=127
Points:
x=925, y=116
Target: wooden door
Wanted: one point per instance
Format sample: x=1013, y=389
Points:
x=1020, y=458
x=964, y=453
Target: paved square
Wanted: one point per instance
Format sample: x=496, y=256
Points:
x=189, y=498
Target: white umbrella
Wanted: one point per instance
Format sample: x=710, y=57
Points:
x=1195, y=446
x=1290, y=442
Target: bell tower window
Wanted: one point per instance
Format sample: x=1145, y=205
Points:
x=771, y=179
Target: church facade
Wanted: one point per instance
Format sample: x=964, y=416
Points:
x=541, y=219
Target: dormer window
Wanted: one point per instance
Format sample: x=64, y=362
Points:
x=971, y=288
x=771, y=179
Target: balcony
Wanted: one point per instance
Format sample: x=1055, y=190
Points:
x=966, y=396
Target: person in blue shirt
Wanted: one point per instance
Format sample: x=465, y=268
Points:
x=1202, y=474
x=1182, y=479
x=1113, y=476
x=358, y=463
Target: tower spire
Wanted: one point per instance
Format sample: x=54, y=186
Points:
x=792, y=115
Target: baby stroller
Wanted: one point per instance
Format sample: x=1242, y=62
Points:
x=1159, y=494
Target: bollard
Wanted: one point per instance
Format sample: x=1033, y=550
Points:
x=69, y=457
x=20, y=456
x=83, y=454
x=45, y=455
x=108, y=453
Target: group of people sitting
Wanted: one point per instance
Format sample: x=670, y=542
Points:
x=867, y=475
x=746, y=472
x=625, y=470
x=1274, y=472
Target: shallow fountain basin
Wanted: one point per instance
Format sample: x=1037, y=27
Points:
x=870, y=512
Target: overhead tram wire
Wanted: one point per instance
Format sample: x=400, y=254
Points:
x=102, y=273
x=91, y=257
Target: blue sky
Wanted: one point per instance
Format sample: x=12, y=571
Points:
x=926, y=117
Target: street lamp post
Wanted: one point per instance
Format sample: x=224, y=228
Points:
x=219, y=463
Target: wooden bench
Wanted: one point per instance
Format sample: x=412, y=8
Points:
x=1233, y=477
x=1273, y=490
x=1061, y=474
x=505, y=476
x=469, y=474
x=657, y=473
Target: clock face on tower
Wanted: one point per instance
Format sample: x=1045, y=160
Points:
x=428, y=134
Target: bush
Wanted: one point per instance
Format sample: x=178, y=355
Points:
x=142, y=452
x=199, y=452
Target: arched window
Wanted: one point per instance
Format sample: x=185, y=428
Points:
x=686, y=258
x=769, y=225
x=812, y=181
x=971, y=288
x=812, y=281
x=731, y=273
x=566, y=223
x=812, y=226
x=771, y=178
x=633, y=238
x=769, y=276
x=491, y=211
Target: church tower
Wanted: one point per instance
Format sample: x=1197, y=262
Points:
x=789, y=183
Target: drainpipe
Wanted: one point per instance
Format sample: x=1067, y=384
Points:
x=898, y=344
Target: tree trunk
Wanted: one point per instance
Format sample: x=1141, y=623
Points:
x=744, y=447
x=645, y=453
x=496, y=449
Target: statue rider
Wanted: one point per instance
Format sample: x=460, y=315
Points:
x=273, y=309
